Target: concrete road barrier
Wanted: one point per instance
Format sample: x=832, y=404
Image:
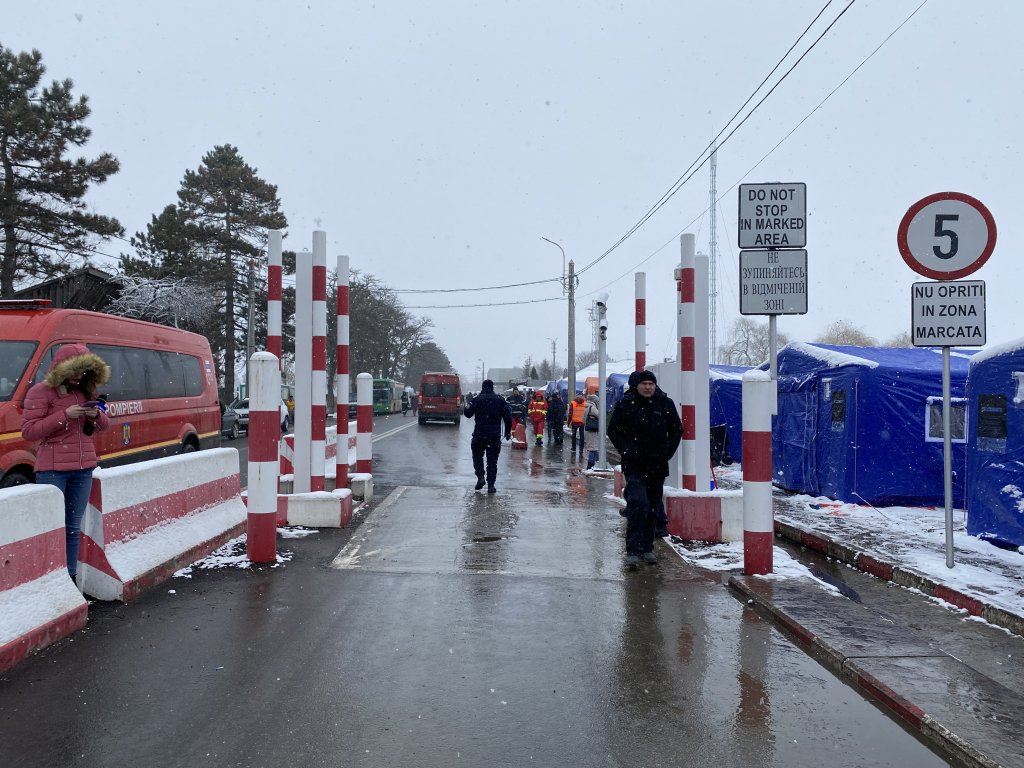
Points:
x=38, y=601
x=145, y=521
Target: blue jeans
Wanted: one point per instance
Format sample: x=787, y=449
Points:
x=75, y=485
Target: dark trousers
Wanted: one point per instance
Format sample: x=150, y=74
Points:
x=555, y=431
x=492, y=447
x=577, y=434
x=643, y=499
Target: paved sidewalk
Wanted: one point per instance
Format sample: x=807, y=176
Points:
x=870, y=598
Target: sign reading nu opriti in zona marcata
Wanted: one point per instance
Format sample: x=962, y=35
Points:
x=773, y=282
x=948, y=314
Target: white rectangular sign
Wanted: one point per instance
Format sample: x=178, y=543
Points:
x=773, y=282
x=773, y=215
x=948, y=314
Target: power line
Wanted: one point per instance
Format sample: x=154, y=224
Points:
x=494, y=304
x=699, y=163
x=486, y=288
x=767, y=154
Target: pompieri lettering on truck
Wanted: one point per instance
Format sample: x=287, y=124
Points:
x=161, y=398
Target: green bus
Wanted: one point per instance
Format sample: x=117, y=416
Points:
x=387, y=396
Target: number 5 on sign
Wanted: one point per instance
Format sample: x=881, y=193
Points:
x=946, y=236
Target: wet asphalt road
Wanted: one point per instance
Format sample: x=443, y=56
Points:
x=444, y=627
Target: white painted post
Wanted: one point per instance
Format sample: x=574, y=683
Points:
x=301, y=456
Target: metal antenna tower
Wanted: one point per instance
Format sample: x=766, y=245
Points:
x=713, y=246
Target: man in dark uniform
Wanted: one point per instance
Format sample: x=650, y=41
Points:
x=645, y=430
x=492, y=419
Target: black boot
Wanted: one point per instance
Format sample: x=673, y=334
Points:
x=479, y=483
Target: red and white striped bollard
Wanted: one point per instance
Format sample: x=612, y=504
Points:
x=274, y=264
x=318, y=383
x=364, y=423
x=341, y=385
x=264, y=434
x=640, y=282
x=758, y=518
x=687, y=360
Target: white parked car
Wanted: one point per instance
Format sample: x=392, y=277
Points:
x=241, y=407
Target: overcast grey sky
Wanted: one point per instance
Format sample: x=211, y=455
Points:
x=437, y=143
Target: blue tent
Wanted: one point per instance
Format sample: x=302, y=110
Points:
x=562, y=386
x=995, y=445
x=864, y=424
x=727, y=405
x=615, y=388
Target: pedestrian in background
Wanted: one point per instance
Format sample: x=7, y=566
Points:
x=517, y=402
x=62, y=412
x=492, y=418
x=556, y=417
x=645, y=430
x=576, y=420
x=538, y=413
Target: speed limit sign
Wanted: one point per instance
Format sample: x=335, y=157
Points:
x=947, y=235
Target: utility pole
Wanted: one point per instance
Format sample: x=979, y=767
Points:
x=553, y=342
x=713, y=247
x=571, y=373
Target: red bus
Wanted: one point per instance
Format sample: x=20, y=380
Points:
x=161, y=397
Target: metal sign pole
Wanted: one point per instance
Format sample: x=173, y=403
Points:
x=947, y=456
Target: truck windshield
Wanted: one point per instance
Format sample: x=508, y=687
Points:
x=14, y=357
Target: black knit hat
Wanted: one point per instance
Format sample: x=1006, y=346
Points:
x=646, y=376
x=487, y=386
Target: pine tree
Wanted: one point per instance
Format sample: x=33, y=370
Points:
x=44, y=223
x=226, y=209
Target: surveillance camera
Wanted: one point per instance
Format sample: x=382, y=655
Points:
x=604, y=324
x=602, y=300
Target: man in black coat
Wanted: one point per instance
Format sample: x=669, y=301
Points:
x=556, y=418
x=645, y=430
x=492, y=419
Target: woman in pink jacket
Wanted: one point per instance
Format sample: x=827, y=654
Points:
x=60, y=412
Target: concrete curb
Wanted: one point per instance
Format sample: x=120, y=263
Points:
x=899, y=575
x=912, y=716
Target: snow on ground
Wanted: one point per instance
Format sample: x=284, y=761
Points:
x=232, y=554
x=911, y=537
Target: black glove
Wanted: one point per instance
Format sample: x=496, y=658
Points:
x=508, y=435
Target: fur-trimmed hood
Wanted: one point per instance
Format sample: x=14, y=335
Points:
x=76, y=360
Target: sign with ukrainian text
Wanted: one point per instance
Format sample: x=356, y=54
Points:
x=773, y=282
x=948, y=314
x=773, y=215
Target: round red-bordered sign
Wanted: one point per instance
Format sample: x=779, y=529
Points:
x=946, y=236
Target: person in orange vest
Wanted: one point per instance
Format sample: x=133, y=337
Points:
x=577, y=419
x=538, y=413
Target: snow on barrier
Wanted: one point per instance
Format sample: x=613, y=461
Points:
x=617, y=481
x=39, y=604
x=145, y=521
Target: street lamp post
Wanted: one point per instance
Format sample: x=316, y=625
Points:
x=569, y=289
x=602, y=393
